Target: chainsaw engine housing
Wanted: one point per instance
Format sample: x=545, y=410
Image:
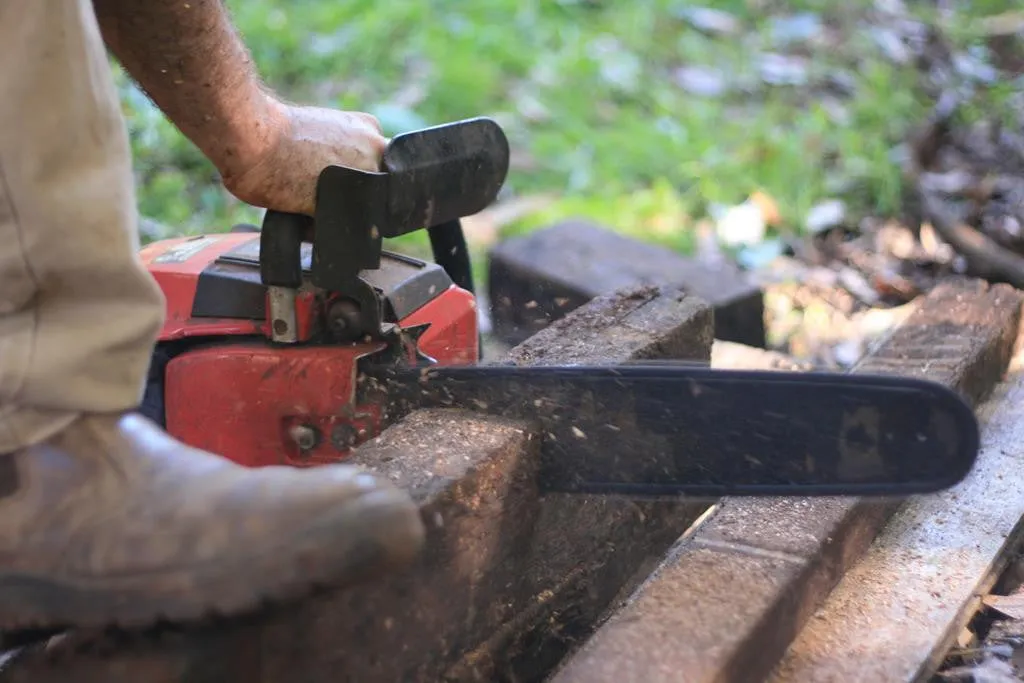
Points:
x=219, y=383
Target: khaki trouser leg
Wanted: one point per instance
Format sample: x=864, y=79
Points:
x=78, y=312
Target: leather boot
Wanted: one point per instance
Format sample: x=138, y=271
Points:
x=113, y=522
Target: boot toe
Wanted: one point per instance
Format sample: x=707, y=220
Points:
x=333, y=524
x=344, y=506
x=148, y=528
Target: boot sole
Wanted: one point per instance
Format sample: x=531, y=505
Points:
x=387, y=536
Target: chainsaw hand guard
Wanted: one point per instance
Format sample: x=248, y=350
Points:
x=430, y=177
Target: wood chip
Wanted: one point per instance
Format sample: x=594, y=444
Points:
x=1011, y=606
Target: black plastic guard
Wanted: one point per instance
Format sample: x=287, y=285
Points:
x=443, y=173
x=430, y=177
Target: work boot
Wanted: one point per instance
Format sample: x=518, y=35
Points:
x=113, y=522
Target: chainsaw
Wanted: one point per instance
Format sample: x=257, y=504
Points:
x=295, y=342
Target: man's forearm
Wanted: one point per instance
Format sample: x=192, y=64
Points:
x=187, y=56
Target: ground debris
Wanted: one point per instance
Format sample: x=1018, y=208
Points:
x=1011, y=606
x=989, y=670
x=967, y=169
x=998, y=658
x=963, y=213
x=996, y=650
x=833, y=302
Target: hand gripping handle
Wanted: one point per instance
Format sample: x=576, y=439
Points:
x=429, y=179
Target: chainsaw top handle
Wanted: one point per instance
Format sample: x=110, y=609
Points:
x=430, y=178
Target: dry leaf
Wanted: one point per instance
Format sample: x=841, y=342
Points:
x=965, y=639
x=1007, y=23
x=769, y=208
x=709, y=20
x=825, y=215
x=742, y=224
x=1011, y=606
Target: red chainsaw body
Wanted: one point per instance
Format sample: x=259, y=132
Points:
x=228, y=389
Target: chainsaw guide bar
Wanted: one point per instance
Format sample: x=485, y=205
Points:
x=658, y=430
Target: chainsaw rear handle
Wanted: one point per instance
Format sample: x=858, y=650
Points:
x=430, y=179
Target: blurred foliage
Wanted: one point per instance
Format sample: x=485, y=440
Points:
x=592, y=96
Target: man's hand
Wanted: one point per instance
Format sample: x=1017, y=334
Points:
x=302, y=142
x=188, y=58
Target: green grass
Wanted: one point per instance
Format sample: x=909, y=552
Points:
x=587, y=94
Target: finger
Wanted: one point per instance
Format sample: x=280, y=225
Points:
x=372, y=120
x=365, y=157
